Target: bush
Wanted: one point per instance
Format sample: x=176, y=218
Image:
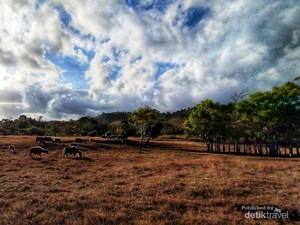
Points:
x=33, y=130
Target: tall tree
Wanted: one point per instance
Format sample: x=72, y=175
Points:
x=144, y=118
x=210, y=121
x=273, y=116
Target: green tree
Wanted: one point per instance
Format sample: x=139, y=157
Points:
x=7, y=126
x=120, y=131
x=33, y=130
x=153, y=131
x=273, y=116
x=86, y=124
x=210, y=121
x=144, y=117
x=168, y=128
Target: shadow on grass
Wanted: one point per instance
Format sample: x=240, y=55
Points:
x=37, y=159
x=84, y=158
x=87, y=159
x=249, y=154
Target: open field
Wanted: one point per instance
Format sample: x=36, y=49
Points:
x=169, y=183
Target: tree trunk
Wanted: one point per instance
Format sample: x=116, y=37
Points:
x=148, y=140
x=141, y=140
x=269, y=149
x=249, y=150
x=291, y=151
x=208, y=146
x=284, y=150
x=260, y=149
x=238, y=148
x=218, y=148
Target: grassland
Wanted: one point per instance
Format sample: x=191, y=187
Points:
x=171, y=182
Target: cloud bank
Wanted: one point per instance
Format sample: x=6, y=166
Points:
x=65, y=59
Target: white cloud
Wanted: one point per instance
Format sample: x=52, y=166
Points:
x=227, y=46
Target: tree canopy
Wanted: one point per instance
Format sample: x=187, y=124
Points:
x=270, y=117
x=144, y=118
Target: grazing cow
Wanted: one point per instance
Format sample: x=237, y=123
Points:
x=123, y=139
x=74, y=144
x=80, y=140
x=39, y=139
x=44, y=139
x=113, y=136
x=37, y=150
x=57, y=140
x=41, y=142
x=73, y=150
x=11, y=149
x=48, y=139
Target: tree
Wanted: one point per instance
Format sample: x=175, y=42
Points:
x=120, y=131
x=6, y=126
x=86, y=125
x=272, y=116
x=144, y=117
x=153, y=131
x=168, y=128
x=210, y=121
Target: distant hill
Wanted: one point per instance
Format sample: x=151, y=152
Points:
x=112, y=117
x=97, y=125
x=176, y=118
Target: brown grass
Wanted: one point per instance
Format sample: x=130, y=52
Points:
x=170, y=183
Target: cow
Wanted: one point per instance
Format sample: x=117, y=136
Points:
x=11, y=149
x=123, y=139
x=43, y=140
x=38, y=139
x=48, y=139
x=73, y=150
x=57, y=140
x=80, y=140
x=113, y=136
x=74, y=144
x=37, y=150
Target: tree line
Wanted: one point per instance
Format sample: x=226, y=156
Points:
x=265, y=123
x=114, y=123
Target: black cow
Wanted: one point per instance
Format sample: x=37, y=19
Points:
x=44, y=139
x=80, y=140
x=57, y=140
x=37, y=150
x=73, y=150
x=39, y=139
x=48, y=139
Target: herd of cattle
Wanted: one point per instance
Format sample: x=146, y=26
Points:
x=44, y=140
x=38, y=151
x=68, y=150
x=72, y=149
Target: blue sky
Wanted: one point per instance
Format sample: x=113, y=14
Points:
x=66, y=59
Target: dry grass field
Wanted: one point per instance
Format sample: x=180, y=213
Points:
x=169, y=183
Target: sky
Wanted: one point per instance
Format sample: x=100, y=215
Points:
x=66, y=59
